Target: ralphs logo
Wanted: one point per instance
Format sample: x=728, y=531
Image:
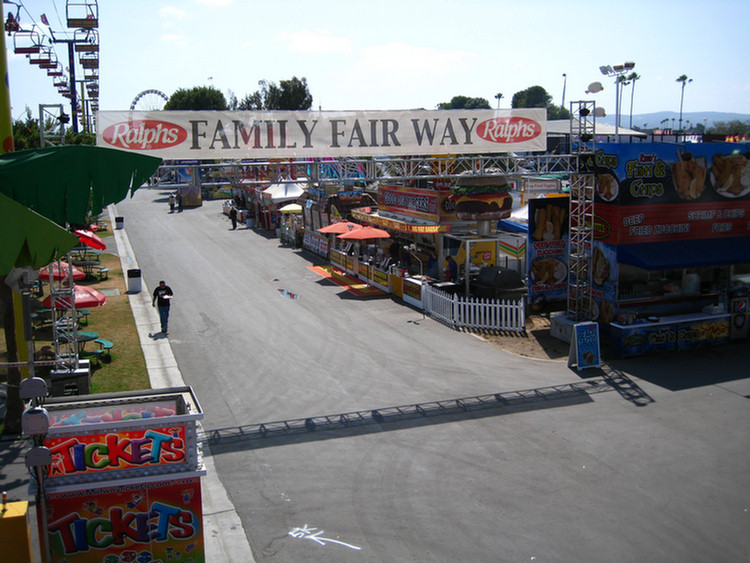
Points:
x=508, y=129
x=144, y=135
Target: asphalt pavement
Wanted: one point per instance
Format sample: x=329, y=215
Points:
x=341, y=429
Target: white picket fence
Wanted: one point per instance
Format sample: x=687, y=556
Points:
x=459, y=311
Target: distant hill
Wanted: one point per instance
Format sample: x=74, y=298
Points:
x=653, y=120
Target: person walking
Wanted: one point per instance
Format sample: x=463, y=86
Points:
x=179, y=202
x=162, y=297
x=233, y=217
x=171, y=203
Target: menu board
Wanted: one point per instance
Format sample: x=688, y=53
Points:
x=547, y=249
x=584, y=346
x=653, y=192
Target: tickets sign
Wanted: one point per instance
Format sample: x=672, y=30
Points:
x=157, y=521
x=110, y=451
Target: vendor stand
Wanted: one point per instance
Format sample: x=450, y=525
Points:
x=124, y=483
x=671, y=242
x=272, y=198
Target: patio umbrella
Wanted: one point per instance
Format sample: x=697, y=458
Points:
x=90, y=239
x=340, y=228
x=84, y=297
x=365, y=233
x=60, y=272
x=291, y=208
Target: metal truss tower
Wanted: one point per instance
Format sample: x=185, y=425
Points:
x=582, y=186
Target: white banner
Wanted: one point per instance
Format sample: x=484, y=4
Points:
x=212, y=135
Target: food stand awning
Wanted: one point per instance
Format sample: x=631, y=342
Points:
x=283, y=191
x=673, y=255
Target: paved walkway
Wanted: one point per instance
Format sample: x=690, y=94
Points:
x=223, y=535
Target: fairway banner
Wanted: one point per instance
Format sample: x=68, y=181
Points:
x=210, y=135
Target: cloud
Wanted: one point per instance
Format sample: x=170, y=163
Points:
x=402, y=57
x=171, y=12
x=314, y=42
x=174, y=39
x=216, y=3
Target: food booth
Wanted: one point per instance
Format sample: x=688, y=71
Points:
x=671, y=249
x=124, y=483
x=271, y=198
x=322, y=207
x=423, y=221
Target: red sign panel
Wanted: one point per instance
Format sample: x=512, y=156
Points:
x=127, y=449
x=159, y=521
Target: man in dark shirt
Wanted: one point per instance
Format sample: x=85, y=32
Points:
x=162, y=298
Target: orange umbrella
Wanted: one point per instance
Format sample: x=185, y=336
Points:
x=84, y=297
x=365, y=233
x=340, y=227
x=60, y=272
x=90, y=239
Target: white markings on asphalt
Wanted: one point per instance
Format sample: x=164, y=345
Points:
x=305, y=533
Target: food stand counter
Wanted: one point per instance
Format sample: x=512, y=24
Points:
x=668, y=333
x=413, y=291
x=366, y=272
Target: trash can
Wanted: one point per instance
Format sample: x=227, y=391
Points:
x=134, y=281
x=119, y=222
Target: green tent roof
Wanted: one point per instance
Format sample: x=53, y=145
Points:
x=28, y=239
x=65, y=183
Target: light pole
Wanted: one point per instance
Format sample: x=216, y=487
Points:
x=617, y=71
x=565, y=82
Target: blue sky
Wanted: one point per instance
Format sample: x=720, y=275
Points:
x=365, y=55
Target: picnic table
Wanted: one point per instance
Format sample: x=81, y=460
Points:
x=82, y=337
x=88, y=266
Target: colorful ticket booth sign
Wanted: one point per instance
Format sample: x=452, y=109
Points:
x=139, y=522
x=92, y=438
x=124, y=483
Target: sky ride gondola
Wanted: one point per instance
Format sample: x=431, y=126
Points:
x=57, y=70
x=89, y=60
x=27, y=42
x=82, y=14
x=43, y=57
x=86, y=40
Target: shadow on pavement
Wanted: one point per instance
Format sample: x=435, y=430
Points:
x=344, y=425
x=688, y=369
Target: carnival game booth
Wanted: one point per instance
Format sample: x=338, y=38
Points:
x=672, y=244
x=124, y=482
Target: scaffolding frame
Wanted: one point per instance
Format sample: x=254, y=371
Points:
x=582, y=187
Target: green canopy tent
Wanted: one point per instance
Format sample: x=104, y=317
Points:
x=64, y=184
x=28, y=239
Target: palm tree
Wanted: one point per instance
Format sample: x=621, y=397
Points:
x=632, y=78
x=685, y=80
x=498, y=97
x=621, y=81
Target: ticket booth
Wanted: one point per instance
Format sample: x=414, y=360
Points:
x=124, y=483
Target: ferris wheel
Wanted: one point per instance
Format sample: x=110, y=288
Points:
x=149, y=100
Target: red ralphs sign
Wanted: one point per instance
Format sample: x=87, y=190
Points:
x=210, y=135
x=146, y=135
x=508, y=130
